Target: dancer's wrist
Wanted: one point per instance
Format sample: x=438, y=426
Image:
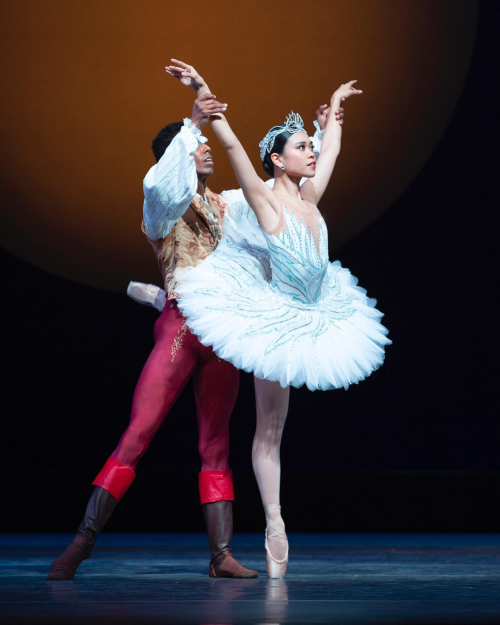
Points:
x=336, y=101
x=202, y=88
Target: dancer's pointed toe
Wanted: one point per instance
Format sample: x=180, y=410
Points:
x=276, y=568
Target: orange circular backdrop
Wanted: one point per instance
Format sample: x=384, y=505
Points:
x=85, y=92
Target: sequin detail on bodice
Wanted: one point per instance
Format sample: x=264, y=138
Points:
x=298, y=261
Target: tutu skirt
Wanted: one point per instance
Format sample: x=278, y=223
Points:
x=231, y=304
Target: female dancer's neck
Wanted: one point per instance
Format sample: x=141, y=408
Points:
x=290, y=187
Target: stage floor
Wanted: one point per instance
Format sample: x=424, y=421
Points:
x=332, y=578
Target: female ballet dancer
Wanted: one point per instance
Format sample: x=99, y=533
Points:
x=280, y=309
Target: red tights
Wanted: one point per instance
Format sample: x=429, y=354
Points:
x=176, y=356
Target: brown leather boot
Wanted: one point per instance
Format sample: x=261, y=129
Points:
x=99, y=508
x=219, y=520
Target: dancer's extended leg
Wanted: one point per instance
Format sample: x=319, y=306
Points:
x=165, y=374
x=272, y=408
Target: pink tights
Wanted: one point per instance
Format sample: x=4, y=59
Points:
x=272, y=408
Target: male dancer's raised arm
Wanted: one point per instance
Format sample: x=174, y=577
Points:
x=171, y=184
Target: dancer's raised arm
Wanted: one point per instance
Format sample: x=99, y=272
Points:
x=331, y=144
x=260, y=198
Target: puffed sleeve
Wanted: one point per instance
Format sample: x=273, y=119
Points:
x=170, y=185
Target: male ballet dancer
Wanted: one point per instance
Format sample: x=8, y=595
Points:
x=191, y=231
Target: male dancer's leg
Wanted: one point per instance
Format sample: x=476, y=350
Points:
x=163, y=377
x=272, y=408
x=216, y=387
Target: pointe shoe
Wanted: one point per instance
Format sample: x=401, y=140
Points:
x=148, y=294
x=275, y=568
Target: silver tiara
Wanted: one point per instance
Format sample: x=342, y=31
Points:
x=293, y=123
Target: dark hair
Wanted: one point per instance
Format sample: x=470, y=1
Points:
x=164, y=138
x=278, y=147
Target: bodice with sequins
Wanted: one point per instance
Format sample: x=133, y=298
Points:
x=298, y=261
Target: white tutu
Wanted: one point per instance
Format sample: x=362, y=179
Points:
x=283, y=313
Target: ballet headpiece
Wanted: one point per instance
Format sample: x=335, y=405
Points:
x=292, y=124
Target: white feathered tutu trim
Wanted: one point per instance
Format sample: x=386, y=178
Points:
x=230, y=305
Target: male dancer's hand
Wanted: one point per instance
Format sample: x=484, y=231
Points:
x=205, y=106
x=323, y=112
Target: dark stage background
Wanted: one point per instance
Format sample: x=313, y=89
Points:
x=413, y=448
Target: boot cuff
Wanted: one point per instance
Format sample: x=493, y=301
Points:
x=216, y=486
x=115, y=477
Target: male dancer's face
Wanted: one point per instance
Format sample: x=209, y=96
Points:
x=204, y=161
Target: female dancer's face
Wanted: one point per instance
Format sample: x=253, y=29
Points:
x=298, y=156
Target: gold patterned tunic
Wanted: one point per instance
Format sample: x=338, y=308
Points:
x=193, y=237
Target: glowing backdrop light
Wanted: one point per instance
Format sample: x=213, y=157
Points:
x=84, y=92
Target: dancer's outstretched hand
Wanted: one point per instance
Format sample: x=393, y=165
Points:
x=345, y=91
x=323, y=112
x=188, y=76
